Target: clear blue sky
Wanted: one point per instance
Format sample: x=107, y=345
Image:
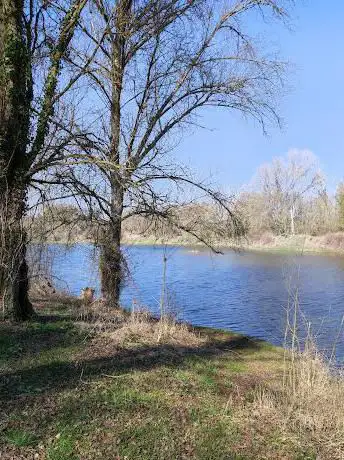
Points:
x=313, y=110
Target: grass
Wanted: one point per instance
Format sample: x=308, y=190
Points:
x=306, y=408
x=130, y=388
x=19, y=438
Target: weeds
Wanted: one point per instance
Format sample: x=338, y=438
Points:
x=301, y=410
x=304, y=411
x=138, y=326
x=20, y=438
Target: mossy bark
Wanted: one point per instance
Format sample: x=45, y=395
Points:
x=16, y=92
x=14, y=281
x=15, y=100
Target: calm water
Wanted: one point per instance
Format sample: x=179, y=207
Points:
x=244, y=292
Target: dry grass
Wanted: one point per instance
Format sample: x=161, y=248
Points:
x=139, y=326
x=334, y=240
x=301, y=412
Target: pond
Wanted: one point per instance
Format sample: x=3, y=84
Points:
x=246, y=292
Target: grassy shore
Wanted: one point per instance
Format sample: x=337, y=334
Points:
x=331, y=243
x=327, y=244
x=79, y=385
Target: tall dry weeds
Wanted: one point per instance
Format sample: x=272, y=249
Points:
x=306, y=409
x=136, y=327
x=303, y=409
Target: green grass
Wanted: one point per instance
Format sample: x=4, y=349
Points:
x=62, y=448
x=65, y=397
x=19, y=438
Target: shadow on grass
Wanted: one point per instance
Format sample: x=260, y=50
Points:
x=49, y=333
x=56, y=376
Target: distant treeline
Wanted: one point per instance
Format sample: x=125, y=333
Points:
x=287, y=197
x=315, y=216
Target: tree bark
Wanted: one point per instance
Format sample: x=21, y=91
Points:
x=16, y=93
x=15, y=100
x=14, y=281
x=292, y=222
x=111, y=257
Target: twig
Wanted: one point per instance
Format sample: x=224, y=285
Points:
x=116, y=376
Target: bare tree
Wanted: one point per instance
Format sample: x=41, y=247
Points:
x=340, y=204
x=318, y=214
x=34, y=40
x=285, y=183
x=152, y=67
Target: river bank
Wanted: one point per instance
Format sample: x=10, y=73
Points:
x=76, y=384
x=330, y=243
x=209, y=290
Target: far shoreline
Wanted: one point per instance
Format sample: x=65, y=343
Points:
x=326, y=245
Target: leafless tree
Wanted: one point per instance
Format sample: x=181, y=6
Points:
x=285, y=182
x=152, y=68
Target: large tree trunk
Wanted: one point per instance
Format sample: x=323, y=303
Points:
x=111, y=257
x=14, y=284
x=15, y=99
x=16, y=93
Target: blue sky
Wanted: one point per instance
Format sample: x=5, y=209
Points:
x=231, y=149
